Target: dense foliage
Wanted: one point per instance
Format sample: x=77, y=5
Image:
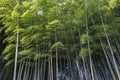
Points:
x=75, y=26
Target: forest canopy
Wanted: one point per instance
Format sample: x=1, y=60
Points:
x=81, y=28
x=76, y=22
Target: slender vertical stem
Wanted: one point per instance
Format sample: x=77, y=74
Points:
x=109, y=44
x=78, y=67
x=108, y=62
x=51, y=67
x=86, y=15
x=19, y=70
x=86, y=77
x=16, y=55
x=56, y=55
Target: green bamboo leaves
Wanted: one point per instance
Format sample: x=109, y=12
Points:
x=37, y=22
x=58, y=45
x=84, y=38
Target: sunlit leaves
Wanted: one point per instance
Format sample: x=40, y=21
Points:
x=9, y=48
x=53, y=22
x=34, y=28
x=26, y=14
x=25, y=52
x=25, y=40
x=7, y=56
x=9, y=62
x=52, y=25
x=26, y=4
x=112, y=3
x=83, y=52
x=84, y=38
x=40, y=55
x=57, y=45
x=14, y=14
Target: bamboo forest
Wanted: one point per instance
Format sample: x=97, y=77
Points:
x=59, y=39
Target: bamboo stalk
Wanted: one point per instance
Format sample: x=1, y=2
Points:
x=16, y=55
